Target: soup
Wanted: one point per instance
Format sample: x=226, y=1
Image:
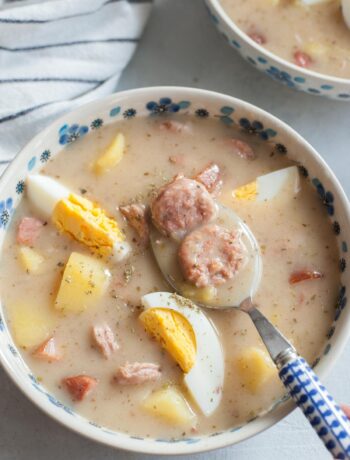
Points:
x=98, y=324
x=314, y=37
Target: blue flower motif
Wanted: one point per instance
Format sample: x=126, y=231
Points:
x=281, y=149
x=341, y=302
x=69, y=134
x=20, y=186
x=303, y=171
x=342, y=265
x=224, y=116
x=5, y=212
x=115, y=111
x=281, y=76
x=129, y=113
x=202, y=113
x=326, y=196
x=257, y=128
x=336, y=227
x=45, y=156
x=96, y=123
x=13, y=350
x=166, y=105
x=31, y=163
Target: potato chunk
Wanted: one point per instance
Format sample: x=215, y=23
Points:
x=112, y=156
x=170, y=404
x=205, y=294
x=31, y=324
x=84, y=281
x=30, y=259
x=255, y=368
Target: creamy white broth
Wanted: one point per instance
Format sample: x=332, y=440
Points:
x=288, y=27
x=293, y=233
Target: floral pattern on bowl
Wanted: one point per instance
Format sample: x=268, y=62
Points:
x=201, y=104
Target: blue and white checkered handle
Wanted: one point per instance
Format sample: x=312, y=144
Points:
x=328, y=420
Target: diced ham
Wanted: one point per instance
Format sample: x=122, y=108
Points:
x=103, y=338
x=303, y=275
x=176, y=127
x=302, y=59
x=79, y=386
x=137, y=373
x=241, y=148
x=29, y=230
x=210, y=177
x=48, y=351
x=135, y=214
x=258, y=38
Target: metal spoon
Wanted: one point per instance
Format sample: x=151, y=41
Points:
x=324, y=415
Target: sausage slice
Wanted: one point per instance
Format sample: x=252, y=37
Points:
x=182, y=205
x=211, y=255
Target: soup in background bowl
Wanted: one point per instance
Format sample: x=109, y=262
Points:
x=169, y=136
x=269, y=38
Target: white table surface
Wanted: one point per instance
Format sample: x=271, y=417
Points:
x=181, y=47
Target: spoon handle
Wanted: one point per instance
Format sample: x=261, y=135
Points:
x=325, y=416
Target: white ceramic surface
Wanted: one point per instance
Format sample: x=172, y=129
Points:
x=274, y=66
x=145, y=102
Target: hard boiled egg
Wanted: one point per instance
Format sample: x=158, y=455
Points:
x=77, y=216
x=270, y=185
x=191, y=339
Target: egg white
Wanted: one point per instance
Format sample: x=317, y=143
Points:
x=206, y=378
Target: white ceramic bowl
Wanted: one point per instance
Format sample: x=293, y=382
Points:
x=200, y=103
x=277, y=68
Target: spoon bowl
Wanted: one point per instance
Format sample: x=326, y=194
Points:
x=232, y=293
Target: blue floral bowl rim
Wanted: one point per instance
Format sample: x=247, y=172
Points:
x=216, y=440
x=220, y=11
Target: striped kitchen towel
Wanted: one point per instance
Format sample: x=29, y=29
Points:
x=58, y=54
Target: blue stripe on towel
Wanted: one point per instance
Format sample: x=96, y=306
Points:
x=78, y=42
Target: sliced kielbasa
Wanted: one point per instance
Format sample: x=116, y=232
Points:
x=211, y=255
x=182, y=205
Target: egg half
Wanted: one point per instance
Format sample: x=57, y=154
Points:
x=77, y=216
x=191, y=339
x=266, y=187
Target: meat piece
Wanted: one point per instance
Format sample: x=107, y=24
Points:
x=135, y=214
x=242, y=149
x=258, y=38
x=303, y=275
x=79, y=386
x=176, y=127
x=211, y=255
x=182, y=205
x=103, y=338
x=29, y=230
x=210, y=177
x=302, y=59
x=48, y=351
x=137, y=373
